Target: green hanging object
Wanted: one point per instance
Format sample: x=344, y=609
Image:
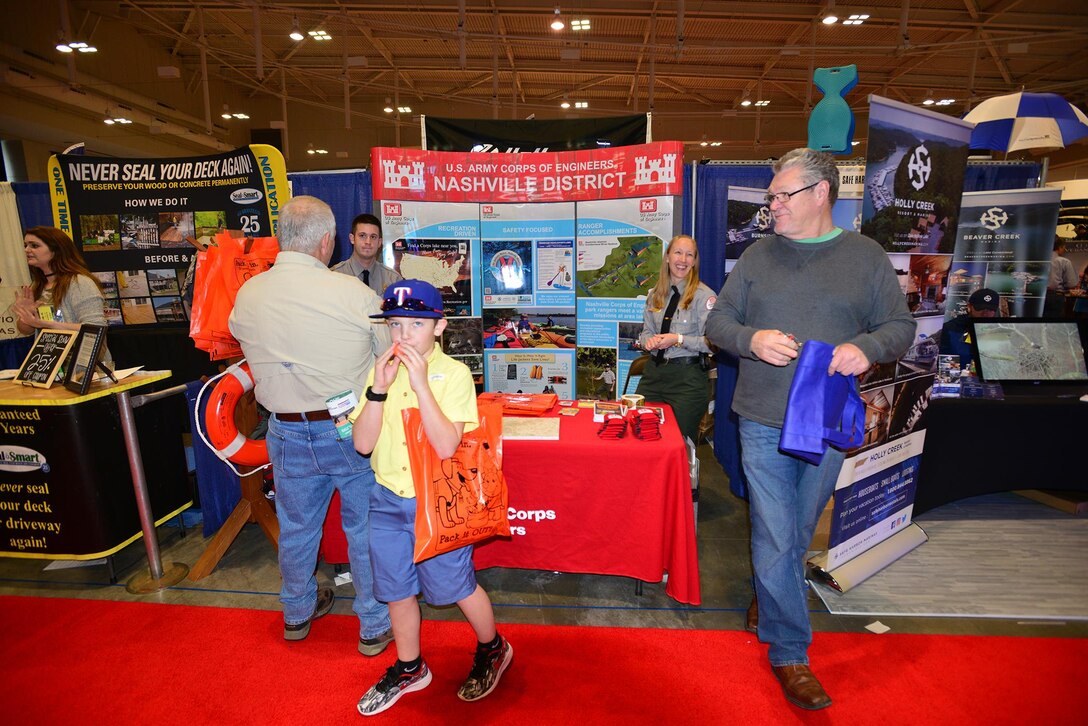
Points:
x=831, y=124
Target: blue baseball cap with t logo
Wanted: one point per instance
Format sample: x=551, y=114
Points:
x=411, y=299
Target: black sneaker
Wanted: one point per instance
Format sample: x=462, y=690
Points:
x=374, y=646
x=487, y=668
x=325, y=600
x=392, y=686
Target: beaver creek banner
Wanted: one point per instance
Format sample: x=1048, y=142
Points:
x=570, y=243
x=914, y=174
x=139, y=222
x=1004, y=242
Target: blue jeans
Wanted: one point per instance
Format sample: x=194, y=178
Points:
x=785, y=498
x=309, y=462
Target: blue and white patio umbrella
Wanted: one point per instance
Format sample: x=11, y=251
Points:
x=1026, y=121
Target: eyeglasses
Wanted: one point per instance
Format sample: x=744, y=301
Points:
x=783, y=197
x=410, y=303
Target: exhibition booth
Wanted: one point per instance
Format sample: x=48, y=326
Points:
x=570, y=243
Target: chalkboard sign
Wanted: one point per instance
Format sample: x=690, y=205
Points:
x=88, y=352
x=46, y=356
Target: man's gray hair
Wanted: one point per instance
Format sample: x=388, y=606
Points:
x=304, y=220
x=815, y=166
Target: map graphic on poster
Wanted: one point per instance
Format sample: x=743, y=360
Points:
x=619, y=249
x=528, y=254
x=437, y=243
x=138, y=222
x=914, y=174
x=748, y=218
x=1004, y=242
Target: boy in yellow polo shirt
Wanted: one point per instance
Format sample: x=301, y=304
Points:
x=415, y=373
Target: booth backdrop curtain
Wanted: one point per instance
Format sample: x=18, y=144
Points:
x=712, y=182
x=218, y=487
x=348, y=193
x=998, y=176
x=14, y=272
x=35, y=209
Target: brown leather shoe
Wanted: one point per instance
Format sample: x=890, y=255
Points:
x=801, y=687
x=751, y=619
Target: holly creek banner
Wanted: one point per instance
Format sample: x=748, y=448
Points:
x=874, y=497
x=914, y=174
x=139, y=222
x=647, y=170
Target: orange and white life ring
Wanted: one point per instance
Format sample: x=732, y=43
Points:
x=219, y=419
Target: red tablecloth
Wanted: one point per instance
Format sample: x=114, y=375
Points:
x=586, y=505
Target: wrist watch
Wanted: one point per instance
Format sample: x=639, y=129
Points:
x=679, y=339
x=372, y=396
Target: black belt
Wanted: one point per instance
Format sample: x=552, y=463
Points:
x=687, y=360
x=305, y=416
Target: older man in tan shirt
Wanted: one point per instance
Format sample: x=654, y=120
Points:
x=307, y=335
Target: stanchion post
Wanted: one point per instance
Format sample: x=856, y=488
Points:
x=156, y=579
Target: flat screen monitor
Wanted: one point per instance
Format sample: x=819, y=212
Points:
x=1032, y=351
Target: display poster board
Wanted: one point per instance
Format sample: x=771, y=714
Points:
x=874, y=497
x=914, y=172
x=138, y=221
x=529, y=323
x=562, y=249
x=1004, y=242
x=88, y=351
x=911, y=205
x=48, y=353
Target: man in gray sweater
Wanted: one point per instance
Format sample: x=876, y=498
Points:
x=810, y=281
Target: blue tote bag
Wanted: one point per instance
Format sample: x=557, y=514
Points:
x=821, y=410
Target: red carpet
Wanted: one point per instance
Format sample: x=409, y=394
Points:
x=98, y=662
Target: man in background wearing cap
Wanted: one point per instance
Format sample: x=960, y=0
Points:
x=415, y=373
x=956, y=334
x=307, y=335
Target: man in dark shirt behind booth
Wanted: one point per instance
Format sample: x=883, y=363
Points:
x=366, y=248
x=955, y=336
x=307, y=336
x=809, y=281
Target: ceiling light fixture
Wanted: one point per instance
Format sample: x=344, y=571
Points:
x=404, y=109
x=74, y=46
x=946, y=102
x=565, y=104
x=580, y=24
x=319, y=35
x=763, y=103
x=581, y=104
x=715, y=143
x=557, y=23
x=746, y=102
x=855, y=19
x=388, y=105
x=296, y=31
x=830, y=18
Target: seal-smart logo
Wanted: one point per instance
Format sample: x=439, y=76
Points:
x=246, y=196
x=994, y=218
x=20, y=458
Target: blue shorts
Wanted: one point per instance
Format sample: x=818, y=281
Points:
x=443, y=579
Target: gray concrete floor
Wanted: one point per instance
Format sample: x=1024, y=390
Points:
x=247, y=577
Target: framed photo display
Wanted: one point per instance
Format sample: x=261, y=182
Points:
x=46, y=358
x=86, y=356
